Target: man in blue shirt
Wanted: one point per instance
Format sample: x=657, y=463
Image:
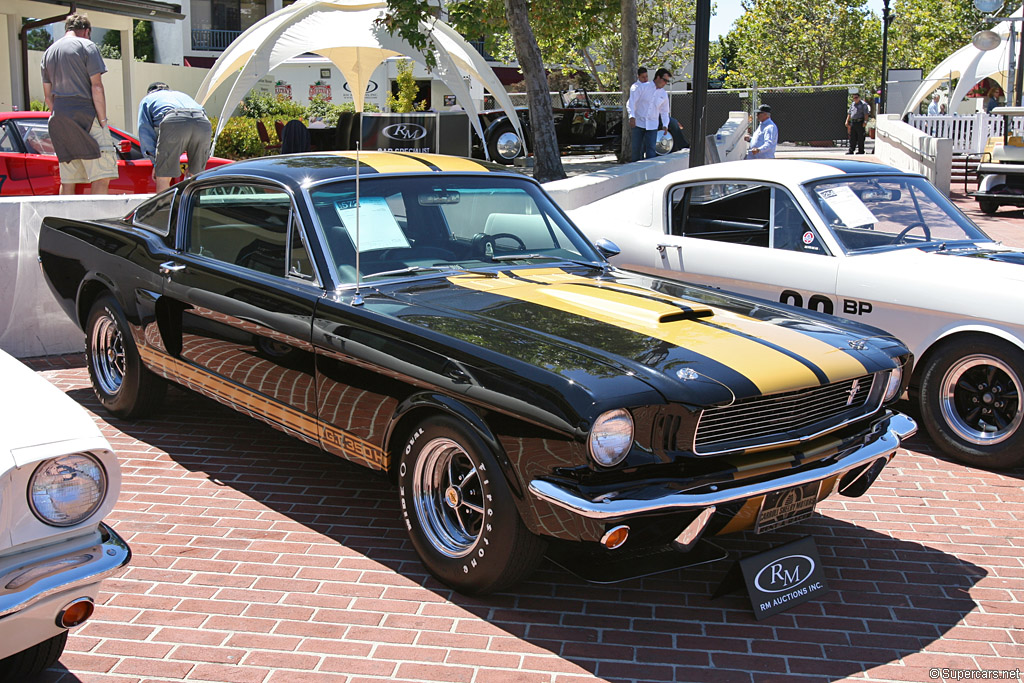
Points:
x=766, y=137
x=171, y=122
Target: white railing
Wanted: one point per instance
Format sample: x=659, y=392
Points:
x=968, y=133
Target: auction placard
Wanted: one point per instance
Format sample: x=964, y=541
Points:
x=783, y=577
x=413, y=132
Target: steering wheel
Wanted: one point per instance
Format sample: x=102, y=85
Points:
x=481, y=242
x=919, y=224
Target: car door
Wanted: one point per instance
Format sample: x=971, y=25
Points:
x=748, y=237
x=239, y=298
x=27, y=161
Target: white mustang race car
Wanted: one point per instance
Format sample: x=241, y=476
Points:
x=858, y=240
x=58, y=478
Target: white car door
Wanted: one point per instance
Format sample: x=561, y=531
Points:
x=743, y=236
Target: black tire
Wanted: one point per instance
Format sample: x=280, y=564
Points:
x=34, y=660
x=468, y=533
x=119, y=379
x=971, y=401
x=496, y=147
x=988, y=206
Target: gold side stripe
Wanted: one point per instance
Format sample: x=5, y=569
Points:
x=771, y=370
x=240, y=398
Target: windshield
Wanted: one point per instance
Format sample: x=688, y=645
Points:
x=889, y=211
x=409, y=225
x=36, y=134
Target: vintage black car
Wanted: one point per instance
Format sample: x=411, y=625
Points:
x=444, y=322
x=583, y=125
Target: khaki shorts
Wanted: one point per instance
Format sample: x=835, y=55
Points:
x=182, y=131
x=91, y=170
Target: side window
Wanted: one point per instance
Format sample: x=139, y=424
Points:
x=790, y=230
x=738, y=213
x=6, y=142
x=155, y=214
x=244, y=225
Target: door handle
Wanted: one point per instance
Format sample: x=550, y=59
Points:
x=169, y=267
x=663, y=246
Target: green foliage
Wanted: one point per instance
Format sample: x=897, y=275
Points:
x=261, y=105
x=142, y=38
x=39, y=39
x=925, y=32
x=805, y=42
x=110, y=46
x=36, y=105
x=407, y=91
x=240, y=139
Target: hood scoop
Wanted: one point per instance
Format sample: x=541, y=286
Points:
x=638, y=307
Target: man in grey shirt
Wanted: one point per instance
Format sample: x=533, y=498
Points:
x=73, y=88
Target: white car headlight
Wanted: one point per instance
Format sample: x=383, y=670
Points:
x=893, y=385
x=611, y=437
x=67, y=490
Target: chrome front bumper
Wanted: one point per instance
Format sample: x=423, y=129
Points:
x=881, y=446
x=26, y=585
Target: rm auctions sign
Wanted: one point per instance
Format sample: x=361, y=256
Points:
x=413, y=132
x=782, y=577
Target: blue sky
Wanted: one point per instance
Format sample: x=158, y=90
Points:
x=730, y=10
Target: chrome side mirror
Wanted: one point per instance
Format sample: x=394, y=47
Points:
x=607, y=248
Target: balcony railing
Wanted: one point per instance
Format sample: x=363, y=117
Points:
x=214, y=40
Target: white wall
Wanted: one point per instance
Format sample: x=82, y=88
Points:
x=31, y=322
x=905, y=147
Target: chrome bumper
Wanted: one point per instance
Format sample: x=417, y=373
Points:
x=886, y=439
x=28, y=584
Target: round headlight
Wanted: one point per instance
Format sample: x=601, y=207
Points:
x=67, y=490
x=611, y=437
x=892, y=387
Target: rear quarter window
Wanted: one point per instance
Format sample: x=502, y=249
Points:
x=155, y=214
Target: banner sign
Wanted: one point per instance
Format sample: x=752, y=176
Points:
x=413, y=132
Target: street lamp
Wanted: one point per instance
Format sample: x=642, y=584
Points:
x=989, y=40
x=887, y=17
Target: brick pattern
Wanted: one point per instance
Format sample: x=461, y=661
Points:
x=260, y=559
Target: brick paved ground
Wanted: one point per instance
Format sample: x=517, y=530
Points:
x=258, y=558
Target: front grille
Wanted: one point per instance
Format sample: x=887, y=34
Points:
x=787, y=417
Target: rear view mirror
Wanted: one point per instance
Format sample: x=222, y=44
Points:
x=877, y=194
x=124, y=146
x=607, y=248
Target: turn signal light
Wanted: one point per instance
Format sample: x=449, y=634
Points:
x=615, y=537
x=75, y=613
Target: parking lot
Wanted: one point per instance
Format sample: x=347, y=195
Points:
x=258, y=558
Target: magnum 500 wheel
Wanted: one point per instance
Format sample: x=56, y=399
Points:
x=120, y=381
x=460, y=512
x=971, y=401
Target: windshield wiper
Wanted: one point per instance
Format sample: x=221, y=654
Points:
x=440, y=269
x=398, y=271
x=515, y=257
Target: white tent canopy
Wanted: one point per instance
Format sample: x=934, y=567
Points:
x=346, y=33
x=970, y=65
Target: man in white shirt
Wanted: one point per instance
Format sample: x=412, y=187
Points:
x=650, y=109
x=766, y=137
x=933, y=106
x=637, y=134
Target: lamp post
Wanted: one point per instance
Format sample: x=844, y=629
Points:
x=989, y=40
x=887, y=17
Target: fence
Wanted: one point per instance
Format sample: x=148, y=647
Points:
x=803, y=114
x=968, y=133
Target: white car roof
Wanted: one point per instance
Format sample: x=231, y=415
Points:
x=793, y=171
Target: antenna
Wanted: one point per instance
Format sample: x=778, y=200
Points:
x=357, y=298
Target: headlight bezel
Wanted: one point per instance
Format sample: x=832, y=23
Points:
x=606, y=454
x=39, y=492
x=893, y=384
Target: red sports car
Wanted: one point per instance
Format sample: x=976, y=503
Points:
x=28, y=164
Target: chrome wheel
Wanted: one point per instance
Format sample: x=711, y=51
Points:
x=108, y=360
x=448, y=497
x=509, y=145
x=980, y=399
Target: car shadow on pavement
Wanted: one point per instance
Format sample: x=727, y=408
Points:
x=239, y=480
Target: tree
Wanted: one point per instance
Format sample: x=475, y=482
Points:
x=39, y=39
x=407, y=91
x=142, y=37
x=806, y=42
x=925, y=32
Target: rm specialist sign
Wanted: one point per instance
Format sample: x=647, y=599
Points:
x=400, y=132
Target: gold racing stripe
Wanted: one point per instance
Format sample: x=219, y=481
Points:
x=245, y=400
x=771, y=370
x=410, y=162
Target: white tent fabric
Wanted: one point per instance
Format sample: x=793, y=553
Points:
x=344, y=31
x=970, y=65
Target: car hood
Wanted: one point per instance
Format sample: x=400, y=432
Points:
x=40, y=420
x=691, y=344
